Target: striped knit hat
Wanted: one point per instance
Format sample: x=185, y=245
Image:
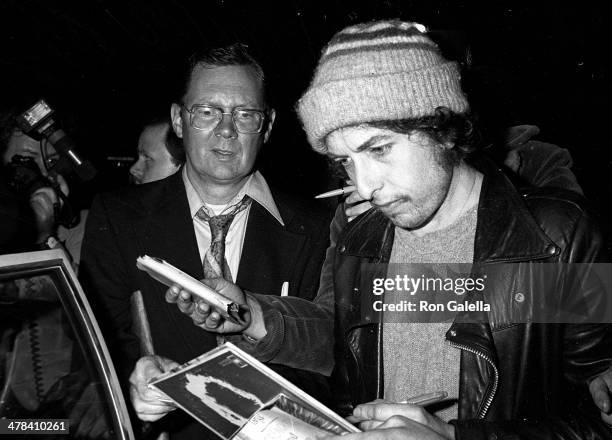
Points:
x=383, y=70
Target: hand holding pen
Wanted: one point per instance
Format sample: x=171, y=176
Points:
x=378, y=413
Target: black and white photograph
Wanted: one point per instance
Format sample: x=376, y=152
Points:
x=296, y=160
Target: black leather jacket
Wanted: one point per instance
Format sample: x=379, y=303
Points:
x=516, y=380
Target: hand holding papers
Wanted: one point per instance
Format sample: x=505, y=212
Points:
x=214, y=304
x=169, y=275
x=150, y=404
x=235, y=395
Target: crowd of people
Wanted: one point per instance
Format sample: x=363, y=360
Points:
x=388, y=109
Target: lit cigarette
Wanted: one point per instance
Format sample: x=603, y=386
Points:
x=336, y=192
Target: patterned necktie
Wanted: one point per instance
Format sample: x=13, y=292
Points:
x=214, y=262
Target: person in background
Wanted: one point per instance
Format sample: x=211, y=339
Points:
x=33, y=196
x=42, y=189
x=160, y=152
x=216, y=217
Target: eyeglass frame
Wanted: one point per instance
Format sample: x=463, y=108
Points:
x=264, y=114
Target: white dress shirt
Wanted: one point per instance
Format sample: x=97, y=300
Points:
x=257, y=189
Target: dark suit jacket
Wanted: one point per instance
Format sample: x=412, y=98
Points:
x=154, y=219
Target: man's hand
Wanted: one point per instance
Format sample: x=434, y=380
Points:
x=600, y=389
x=411, y=421
x=209, y=319
x=396, y=428
x=146, y=401
x=355, y=205
x=42, y=202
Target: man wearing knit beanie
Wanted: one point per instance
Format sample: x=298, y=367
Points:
x=388, y=107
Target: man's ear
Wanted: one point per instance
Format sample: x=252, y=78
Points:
x=269, y=124
x=177, y=121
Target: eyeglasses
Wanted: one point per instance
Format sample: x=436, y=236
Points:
x=205, y=117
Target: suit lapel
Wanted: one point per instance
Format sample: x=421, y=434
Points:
x=166, y=231
x=270, y=252
x=168, y=228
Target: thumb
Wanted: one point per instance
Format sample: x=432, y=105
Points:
x=63, y=184
x=215, y=283
x=150, y=369
x=599, y=393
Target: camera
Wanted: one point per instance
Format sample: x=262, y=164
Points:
x=24, y=176
x=38, y=122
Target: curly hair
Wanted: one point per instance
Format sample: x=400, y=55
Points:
x=443, y=127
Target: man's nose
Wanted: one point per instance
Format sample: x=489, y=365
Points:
x=136, y=169
x=226, y=127
x=366, y=180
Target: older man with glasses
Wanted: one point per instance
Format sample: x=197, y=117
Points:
x=215, y=218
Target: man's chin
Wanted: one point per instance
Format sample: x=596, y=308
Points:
x=407, y=221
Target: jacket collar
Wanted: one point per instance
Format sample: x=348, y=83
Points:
x=505, y=230
x=255, y=187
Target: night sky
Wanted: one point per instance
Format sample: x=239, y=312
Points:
x=107, y=66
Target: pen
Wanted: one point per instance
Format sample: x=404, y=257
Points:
x=336, y=192
x=426, y=399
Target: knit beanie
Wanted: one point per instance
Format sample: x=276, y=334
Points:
x=382, y=70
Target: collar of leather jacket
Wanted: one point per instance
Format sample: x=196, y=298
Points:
x=505, y=230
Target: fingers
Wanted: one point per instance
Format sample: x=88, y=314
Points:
x=199, y=311
x=147, y=409
x=353, y=198
x=42, y=202
x=600, y=393
x=147, y=402
x=355, y=205
x=163, y=364
x=397, y=415
x=383, y=411
x=368, y=425
x=183, y=299
x=185, y=302
x=206, y=316
x=63, y=184
x=396, y=422
x=218, y=284
x=203, y=315
x=172, y=294
x=213, y=321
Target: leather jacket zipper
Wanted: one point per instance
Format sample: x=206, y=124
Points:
x=489, y=398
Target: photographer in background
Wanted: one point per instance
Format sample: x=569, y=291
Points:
x=34, y=195
x=36, y=214
x=27, y=218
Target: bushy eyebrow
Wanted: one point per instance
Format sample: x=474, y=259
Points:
x=372, y=141
x=364, y=146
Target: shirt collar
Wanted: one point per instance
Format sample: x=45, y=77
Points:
x=255, y=187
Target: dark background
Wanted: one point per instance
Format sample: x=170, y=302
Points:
x=108, y=65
